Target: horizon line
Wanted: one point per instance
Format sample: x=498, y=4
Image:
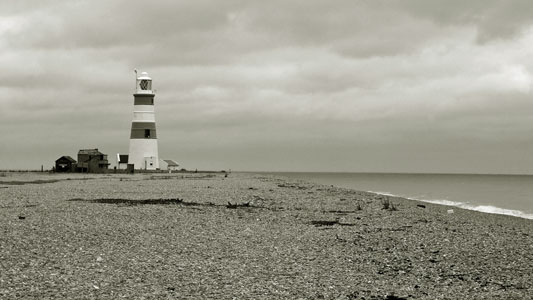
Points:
x=320, y=172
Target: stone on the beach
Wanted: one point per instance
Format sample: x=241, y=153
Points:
x=450, y=211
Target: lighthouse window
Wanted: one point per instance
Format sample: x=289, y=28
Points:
x=147, y=133
x=144, y=84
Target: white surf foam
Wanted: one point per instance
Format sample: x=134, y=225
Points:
x=385, y=194
x=481, y=208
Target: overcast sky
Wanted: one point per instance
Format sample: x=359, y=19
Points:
x=401, y=86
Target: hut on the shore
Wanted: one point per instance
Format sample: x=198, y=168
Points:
x=65, y=164
x=168, y=164
x=92, y=161
x=122, y=161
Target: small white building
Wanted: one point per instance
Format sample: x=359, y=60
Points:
x=122, y=161
x=168, y=164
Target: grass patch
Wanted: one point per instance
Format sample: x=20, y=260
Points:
x=387, y=204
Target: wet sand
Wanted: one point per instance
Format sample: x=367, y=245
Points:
x=247, y=236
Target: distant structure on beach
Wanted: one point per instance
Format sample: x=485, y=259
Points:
x=143, y=152
x=168, y=164
x=92, y=161
x=65, y=164
x=122, y=161
x=89, y=161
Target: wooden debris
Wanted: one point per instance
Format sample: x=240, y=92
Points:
x=319, y=223
x=234, y=206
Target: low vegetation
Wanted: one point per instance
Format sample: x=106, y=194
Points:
x=387, y=204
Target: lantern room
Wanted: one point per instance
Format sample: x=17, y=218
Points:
x=144, y=84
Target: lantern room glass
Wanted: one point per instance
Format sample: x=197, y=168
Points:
x=145, y=85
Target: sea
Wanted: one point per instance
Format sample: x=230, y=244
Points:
x=495, y=194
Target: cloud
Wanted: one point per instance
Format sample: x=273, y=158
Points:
x=492, y=19
x=307, y=85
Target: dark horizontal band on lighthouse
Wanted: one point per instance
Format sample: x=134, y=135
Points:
x=143, y=100
x=143, y=130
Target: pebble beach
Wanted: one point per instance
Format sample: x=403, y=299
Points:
x=247, y=236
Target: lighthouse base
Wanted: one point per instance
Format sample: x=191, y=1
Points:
x=144, y=154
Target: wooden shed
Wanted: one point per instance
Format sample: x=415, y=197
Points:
x=122, y=161
x=92, y=161
x=168, y=164
x=65, y=164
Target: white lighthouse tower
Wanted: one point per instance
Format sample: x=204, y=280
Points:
x=143, y=138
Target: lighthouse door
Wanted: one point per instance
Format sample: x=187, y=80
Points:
x=149, y=163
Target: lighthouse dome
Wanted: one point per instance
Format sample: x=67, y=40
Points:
x=144, y=75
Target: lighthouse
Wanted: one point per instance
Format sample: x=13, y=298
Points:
x=143, y=138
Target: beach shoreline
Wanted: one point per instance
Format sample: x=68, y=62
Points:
x=489, y=193
x=248, y=236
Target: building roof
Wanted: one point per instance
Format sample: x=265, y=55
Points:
x=171, y=163
x=90, y=151
x=72, y=160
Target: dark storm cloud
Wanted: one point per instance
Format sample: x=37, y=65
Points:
x=301, y=85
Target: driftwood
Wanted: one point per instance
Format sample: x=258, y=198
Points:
x=342, y=211
x=234, y=206
x=319, y=223
x=131, y=202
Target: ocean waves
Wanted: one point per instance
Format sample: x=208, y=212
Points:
x=490, y=209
